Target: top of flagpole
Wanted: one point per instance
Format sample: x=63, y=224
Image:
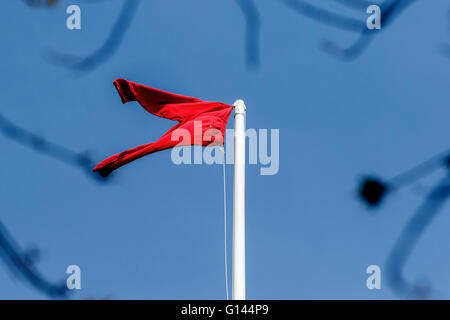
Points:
x=239, y=107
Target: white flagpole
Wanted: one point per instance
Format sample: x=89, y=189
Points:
x=238, y=292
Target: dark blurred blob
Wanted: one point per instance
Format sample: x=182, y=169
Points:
x=106, y=51
x=389, y=10
x=252, y=34
x=80, y=160
x=409, y=238
x=372, y=191
x=22, y=265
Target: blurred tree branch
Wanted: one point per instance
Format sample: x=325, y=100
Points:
x=116, y=35
x=107, y=50
x=373, y=190
x=335, y=20
x=41, y=145
x=409, y=238
x=22, y=265
x=252, y=34
x=389, y=10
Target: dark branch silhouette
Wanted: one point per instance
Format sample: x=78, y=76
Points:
x=22, y=265
x=389, y=10
x=409, y=238
x=421, y=170
x=117, y=33
x=107, y=50
x=252, y=34
x=39, y=144
x=335, y=20
x=373, y=190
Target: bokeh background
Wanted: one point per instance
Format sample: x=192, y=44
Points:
x=155, y=230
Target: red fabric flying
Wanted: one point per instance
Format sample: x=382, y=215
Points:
x=193, y=115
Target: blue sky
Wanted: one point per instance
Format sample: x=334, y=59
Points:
x=156, y=231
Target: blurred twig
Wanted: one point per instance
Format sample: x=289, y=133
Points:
x=22, y=265
x=409, y=238
x=39, y=144
x=389, y=10
x=253, y=26
x=311, y=11
x=107, y=50
x=420, y=170
x=372, y=192
x=115, y=37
